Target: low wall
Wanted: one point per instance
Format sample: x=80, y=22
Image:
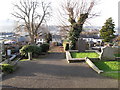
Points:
x=13, y=63
x=88, y=60
x=8, y=60
x=68, y=56
x=70, y=59
x=92, y=65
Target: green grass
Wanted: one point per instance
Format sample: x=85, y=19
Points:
x=5, y=64
x=117, y=55
x=83, y=55
x=112, y=75
x=7, y=68
x=109, y=66
x=24, y=60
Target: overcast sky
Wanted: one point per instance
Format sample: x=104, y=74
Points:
x=108, y=8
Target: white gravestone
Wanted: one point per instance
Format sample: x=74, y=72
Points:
x=8, y=52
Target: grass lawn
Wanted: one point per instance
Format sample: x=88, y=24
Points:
x=109, y=66
x=83, y=55
x=117, y=55
x=113, y=75
x=24, y=60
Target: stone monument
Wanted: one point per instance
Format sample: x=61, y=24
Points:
x=91, y=44
x=107, y=53
x=81, y=45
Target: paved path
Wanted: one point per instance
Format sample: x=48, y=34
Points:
x=53, y=71
x=57, y=49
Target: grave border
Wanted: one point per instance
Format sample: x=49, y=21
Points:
x=70, y=59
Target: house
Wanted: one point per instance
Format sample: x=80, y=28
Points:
x=41, y=39
x=43, y=30
x=7, y=36
x=91, y=36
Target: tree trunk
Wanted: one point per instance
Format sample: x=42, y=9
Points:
x=32, y=39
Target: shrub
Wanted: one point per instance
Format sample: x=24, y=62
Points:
x=44, y=47
x=36, y=50
x=30, y=48
x=67, y=47
x=7, y=68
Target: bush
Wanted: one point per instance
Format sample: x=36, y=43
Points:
x=30, y=48
x=7, y=68
x=44, y=47
x=67, y=47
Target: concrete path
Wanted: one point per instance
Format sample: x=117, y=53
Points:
x=53, y=71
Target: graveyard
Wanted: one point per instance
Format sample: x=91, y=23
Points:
x=104, y=61
x=95, y=55
x=56, y=44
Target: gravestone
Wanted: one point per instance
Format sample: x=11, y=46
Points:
x=107, y=53
x=91, y=44
x=102, y=43
x=81, y=45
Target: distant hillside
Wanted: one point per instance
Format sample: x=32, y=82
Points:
x=8, y=26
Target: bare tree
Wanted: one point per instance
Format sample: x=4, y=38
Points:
x=31, y=15
x=74, y=10
x=77, y=12
x=64, y=31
